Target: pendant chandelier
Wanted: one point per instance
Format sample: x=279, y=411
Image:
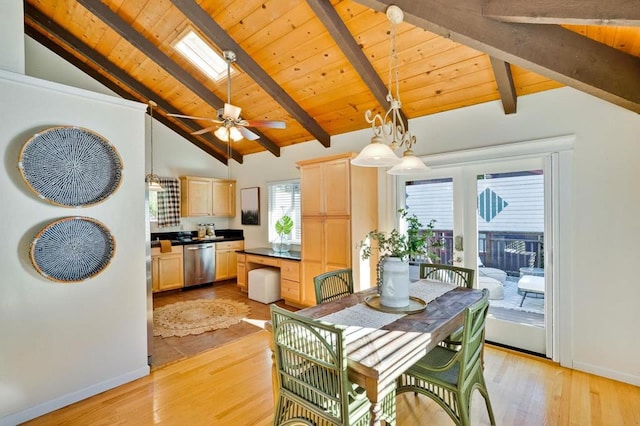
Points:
x=152, y=180
x=390, y=132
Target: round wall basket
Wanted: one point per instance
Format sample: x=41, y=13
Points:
x=70, y=166
x=72, y=249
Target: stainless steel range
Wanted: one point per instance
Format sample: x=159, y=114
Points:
x=199, y=264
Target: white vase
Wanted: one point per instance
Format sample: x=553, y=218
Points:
x=394, y=288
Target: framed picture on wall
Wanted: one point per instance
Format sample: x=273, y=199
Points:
x=250, y=206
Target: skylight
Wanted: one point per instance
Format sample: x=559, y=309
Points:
x=199, y=53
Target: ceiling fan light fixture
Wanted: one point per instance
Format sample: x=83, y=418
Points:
x=226, y=134
x=231, y=111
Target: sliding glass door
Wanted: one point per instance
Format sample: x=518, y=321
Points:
x=491, y=217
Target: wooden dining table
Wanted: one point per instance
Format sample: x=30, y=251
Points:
x=376, y=357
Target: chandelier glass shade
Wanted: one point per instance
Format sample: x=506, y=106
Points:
x=152, y=180
x=390, y=131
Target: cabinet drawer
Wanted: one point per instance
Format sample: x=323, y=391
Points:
x=263, y=260
x=230, y=245
x=290, y=290
x=155, y=251
x=290, y=270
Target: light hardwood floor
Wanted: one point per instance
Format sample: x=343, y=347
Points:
x=231, y=385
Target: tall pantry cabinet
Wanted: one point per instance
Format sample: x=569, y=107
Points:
x=339, y=206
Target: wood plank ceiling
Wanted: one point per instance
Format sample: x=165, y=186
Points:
x=318, y=65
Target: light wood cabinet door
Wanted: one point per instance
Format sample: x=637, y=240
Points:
x=195, y=197
x=337, y=243
x=227, y=259
x=290, y=281
x=311, y=195
x=167, y=270
x=241, y=278
x=223, y=198
x=335, y=187
x=170, y=272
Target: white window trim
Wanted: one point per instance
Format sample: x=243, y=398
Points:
x=271, y=225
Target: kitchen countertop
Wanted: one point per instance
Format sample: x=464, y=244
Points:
x=264, y=251
x=156, y=243
x=184, y=238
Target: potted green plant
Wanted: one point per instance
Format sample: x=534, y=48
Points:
x=418, y=242
x=395, y=251
x=283, y=226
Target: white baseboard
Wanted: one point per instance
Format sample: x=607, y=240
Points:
x=605, y=372
x=63, y=401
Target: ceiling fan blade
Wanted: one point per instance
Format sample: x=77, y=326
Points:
x=205, y=130
x=248, y=134
x=267, y=123
x=194, y=118
x=231, y=111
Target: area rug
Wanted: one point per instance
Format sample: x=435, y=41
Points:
x=197, y=316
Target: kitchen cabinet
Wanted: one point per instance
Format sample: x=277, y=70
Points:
x=339, y=206
x=290, y=288
x=202, y=196
x=223, y=198
x=290, y=281
x=241, y=278
x=227, y=259
x=167, y=271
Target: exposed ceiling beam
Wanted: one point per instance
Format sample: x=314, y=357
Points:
x=504, y=79
x=343, y=37
x=154, y=53
x=120, y=90
x=220, y=38
x=549, y=50
x=574, y=12
x=131, y=89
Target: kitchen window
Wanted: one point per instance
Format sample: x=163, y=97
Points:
x=284, y=199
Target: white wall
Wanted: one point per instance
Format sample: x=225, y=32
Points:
x=603, y=336
x=64, y=342
x=11, y=29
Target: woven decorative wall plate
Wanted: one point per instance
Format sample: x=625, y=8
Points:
x=70, y=166
x=72, y=249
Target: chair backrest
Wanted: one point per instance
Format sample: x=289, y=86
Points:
x=470, y=354
x=312, y=364
x=333, y=285
x=462, y=277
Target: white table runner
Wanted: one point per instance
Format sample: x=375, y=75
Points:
x=361, y=315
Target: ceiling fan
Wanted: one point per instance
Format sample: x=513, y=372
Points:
x=228, y=124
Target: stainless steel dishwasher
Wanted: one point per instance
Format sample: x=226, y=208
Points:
x=199, y=264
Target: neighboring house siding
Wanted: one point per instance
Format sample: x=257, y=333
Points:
x=523, y=196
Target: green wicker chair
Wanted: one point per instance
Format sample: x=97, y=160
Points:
x=333, y=285
x=311, y=361
x=462, y=277
x=449, y=377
